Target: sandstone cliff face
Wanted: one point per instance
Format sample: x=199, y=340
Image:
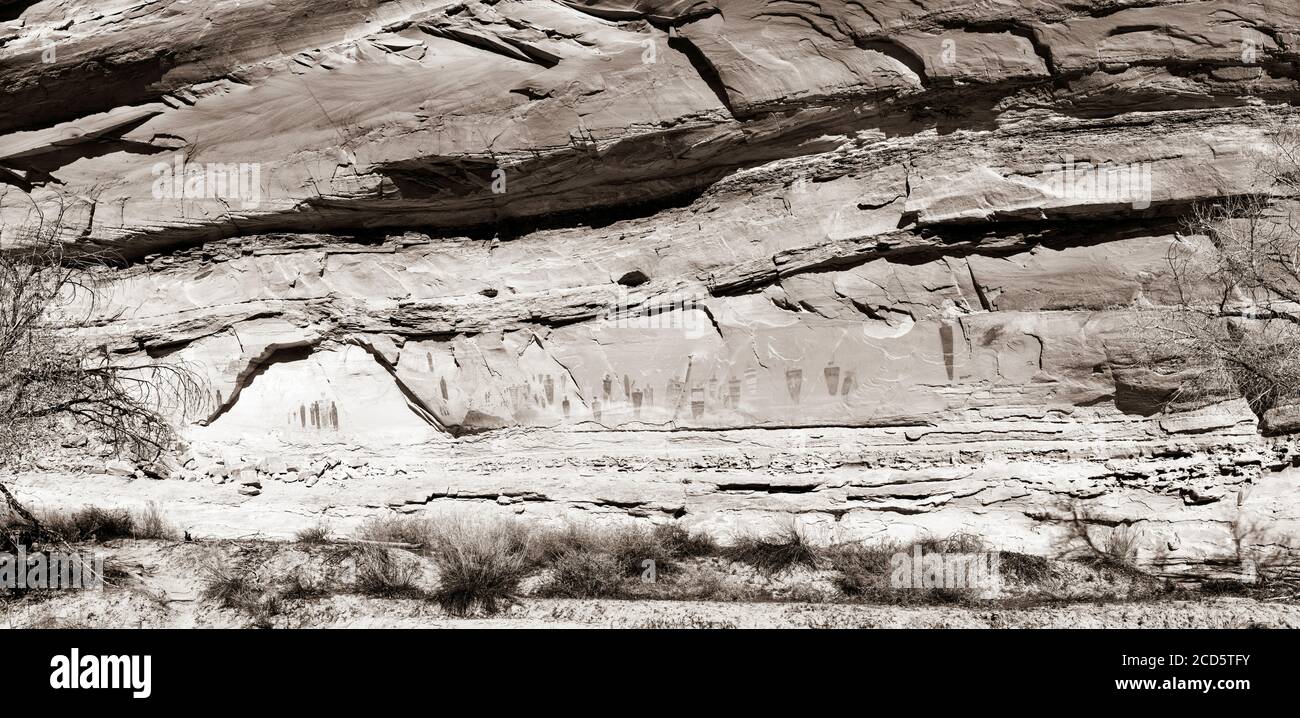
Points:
x=883, y=266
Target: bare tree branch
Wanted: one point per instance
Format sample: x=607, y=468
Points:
x=51, y=376
x=1236, y=321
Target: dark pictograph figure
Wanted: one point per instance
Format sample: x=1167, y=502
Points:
x=832, y=374
x=319, y=415
x=945, y=338
x=794, y=383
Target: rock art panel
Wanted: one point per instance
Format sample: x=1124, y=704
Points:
x=338, y=396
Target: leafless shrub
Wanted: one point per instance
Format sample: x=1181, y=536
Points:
x=1233, y=329
x=1266, y=557
x=53, y=373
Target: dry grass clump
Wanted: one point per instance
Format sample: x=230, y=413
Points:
x=680, y=543
x=382, y=575
x=1227, y=587
x=782, y=550
x=592, y=562
x=586, y=562
x=480, y=564
x=547, y=545
x=318, y=533
x=398, y=529
x=91, y=523
x=265, y=611
x=1117, y=551
x=862, y=571
x=584, y=574
x=865, y=572
x=960, y=542
x=1023, y=567
x=708, y=584
x=229, y=586
x=236, y=587
x=297, y=587
x=150, y=524
x=1121, y=547
x=636, y=549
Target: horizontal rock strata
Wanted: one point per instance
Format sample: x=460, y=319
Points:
x=883, y=267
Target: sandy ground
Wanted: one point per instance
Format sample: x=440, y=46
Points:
x=134, y=610
x=161, y=583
